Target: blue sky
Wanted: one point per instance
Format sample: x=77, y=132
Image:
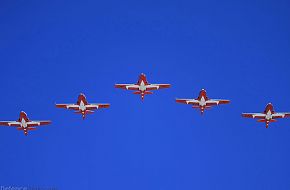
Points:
x=50, y=51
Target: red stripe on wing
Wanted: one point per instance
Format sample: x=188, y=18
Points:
x=61, y=105
x=181, y=101
x=224, y=101
x=104, y=105
x=7, y=124
x=247, y=115
x=164, y=86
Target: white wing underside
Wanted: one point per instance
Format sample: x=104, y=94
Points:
x=254, y=115
x=213, y=101
x=280, y=114
x=11, y=123
x=92, y=106
x=72, y=106
x=191, y=101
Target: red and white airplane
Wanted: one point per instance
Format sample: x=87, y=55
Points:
x=268, y=116
x=142, y=87
x=202, y=102
x=82, y=106
x=23, y=123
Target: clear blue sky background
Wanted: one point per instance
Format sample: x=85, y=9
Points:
x=50, y=51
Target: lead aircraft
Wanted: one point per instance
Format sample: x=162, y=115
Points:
x=24, y=123
x=142, y=86
x=82, y=106
x=202, y=102
x=268, y=116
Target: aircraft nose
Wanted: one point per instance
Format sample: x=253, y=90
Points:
x=22, y=113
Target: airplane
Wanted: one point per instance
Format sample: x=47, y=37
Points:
x=142, y=87
x=82, y=106
x=24, y=123
x=268, y=116
x=202, y=102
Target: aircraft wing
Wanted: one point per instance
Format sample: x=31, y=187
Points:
x=187, y=101
x=68, y=106
x=157, y=86
x=97, y=106
x=213, y=102
x=10, y=123
x=127, y=86
x=37, y=123
x=280, y=115
x=254, y=115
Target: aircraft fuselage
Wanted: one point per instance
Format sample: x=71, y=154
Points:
x=202, y=101
x=142, y=86
x=82, y=106
x=23, y=123
x=268, y=115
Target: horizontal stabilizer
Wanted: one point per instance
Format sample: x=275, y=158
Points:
x=89, y=111
x=31, y=128
x=264, y=120
x=148, y=92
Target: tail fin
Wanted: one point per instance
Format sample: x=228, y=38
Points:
x=84, y=113
x=142, y=93
x=267, y=121
x=24, y=130
x=201, y=108
x=80, y=112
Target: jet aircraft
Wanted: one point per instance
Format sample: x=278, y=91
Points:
x=82, y=106
x=142, y=86
x=202, y=102
x=268, y=116
x=24, y=123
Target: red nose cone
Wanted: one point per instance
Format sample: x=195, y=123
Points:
x=269, y=107
x=81, y=97
x=23, y=114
